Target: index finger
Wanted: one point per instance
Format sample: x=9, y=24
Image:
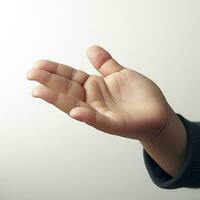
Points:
x=66, y=71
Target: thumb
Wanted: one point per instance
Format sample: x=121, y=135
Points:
x=102, y=60
x=87, y=114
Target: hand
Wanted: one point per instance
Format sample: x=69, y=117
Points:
x=121, y=101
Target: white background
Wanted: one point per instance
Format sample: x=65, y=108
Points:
x=46, y=155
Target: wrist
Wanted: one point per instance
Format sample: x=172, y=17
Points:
x=169, y=147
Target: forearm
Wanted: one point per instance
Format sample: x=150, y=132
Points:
x=169, y=149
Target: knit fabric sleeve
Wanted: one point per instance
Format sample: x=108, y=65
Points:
x=189, y=174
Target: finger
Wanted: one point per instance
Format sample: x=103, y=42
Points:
x=64, y=102
x=76, y=75
x=94, y=118
x=77, y=109
x=56, y=82
x=103, y=61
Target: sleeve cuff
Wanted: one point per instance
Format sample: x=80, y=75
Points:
x=189, y=174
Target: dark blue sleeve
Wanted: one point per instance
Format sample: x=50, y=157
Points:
x=189, y=174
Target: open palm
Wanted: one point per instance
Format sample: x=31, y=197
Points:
x=120, y=101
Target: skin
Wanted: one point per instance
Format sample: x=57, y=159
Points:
x=119, y=101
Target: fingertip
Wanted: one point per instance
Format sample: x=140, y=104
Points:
x=95, y=48
x=82, y=114
x=40, y=63
x=92, y=48
x=35, y=92
x=75, y=113
x=97, y=55
x=29, y=75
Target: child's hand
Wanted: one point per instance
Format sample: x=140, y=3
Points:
x=121, y=101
